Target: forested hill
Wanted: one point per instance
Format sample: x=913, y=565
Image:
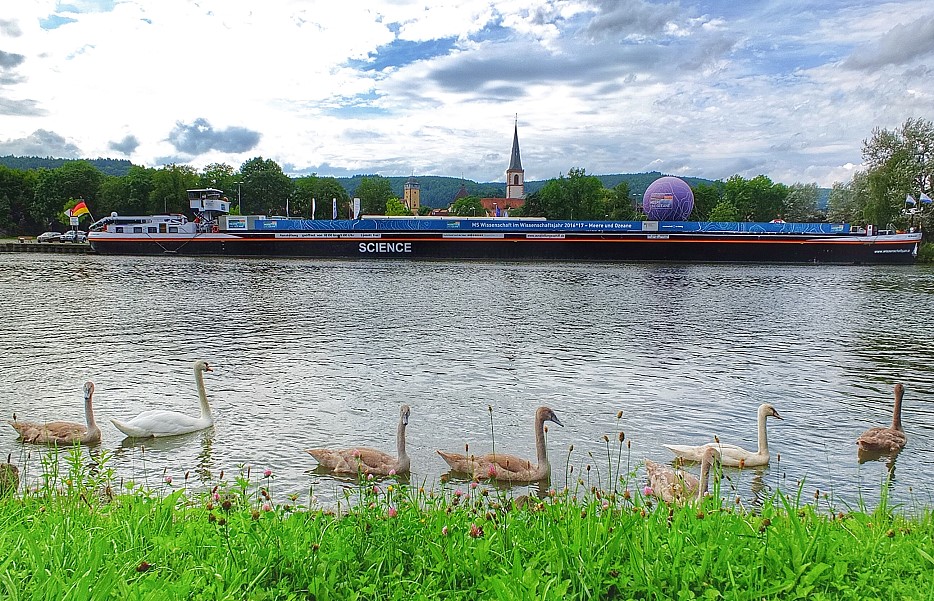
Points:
x=438, y=191
x=118, y=167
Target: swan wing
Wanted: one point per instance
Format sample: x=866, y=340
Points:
x=161, y=423
x=687, y=452
x=882, y=440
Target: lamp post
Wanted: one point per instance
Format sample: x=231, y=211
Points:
x=239, y=199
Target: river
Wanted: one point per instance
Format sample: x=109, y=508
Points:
x=322, y=353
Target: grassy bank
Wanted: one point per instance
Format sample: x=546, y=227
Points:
x=74, y=537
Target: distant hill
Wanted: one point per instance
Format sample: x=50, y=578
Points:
x=117, y=167
x=439, y=191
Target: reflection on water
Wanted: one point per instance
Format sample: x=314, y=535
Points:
x=322, y=353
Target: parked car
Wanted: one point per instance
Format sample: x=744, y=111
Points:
x=49, y=237
x=74, y=236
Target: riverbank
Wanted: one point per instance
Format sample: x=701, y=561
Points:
x=389, y=540
x=29, y=244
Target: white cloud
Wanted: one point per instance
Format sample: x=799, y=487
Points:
x=607, y=85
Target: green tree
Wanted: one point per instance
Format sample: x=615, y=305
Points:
x=842, y=204
x=373, y=192
x=757, y=199
x=395, y=207
x=577, y=196
x=619, y=205
x=170, y=187
x=706, y=197
x=54, y=187
x=323, y=190
x=264, y=188
x=900, y=162
x=801, y=203
x=468, y=206
x=724, y=211
x=16, y=193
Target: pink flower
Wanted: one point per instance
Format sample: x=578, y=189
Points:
x=267, y=473
x=475, y=531
x=457, y=493
x=491, y=471
x=217, y=497
x=473, y=484
x=606, y=505
x=369, y=477
x=355, y=453
x=444, y=531
x=375, y=490
x=647, y=491
x=392, y=472
x=392, y=512
x=168, y=479
x=267, y=507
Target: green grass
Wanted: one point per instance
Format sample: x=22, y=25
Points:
x=74, y=537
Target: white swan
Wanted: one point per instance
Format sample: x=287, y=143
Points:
x=63, y=432
x=886, y=440
x=732, y=455
x=365, y=460
x=509, y=467
x=679, y=486
x=157, y=422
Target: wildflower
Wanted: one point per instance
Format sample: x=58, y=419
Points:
x=647, y=491
x=375, y=490
x=619, y=414
x=143, y=567
x=457, y=493
x=267, y=473
x=254, y=514
x=392, y=472
x=212, y=518
x=473, y=485
x=369, y=477
x=217, y=497
x=168, y=480
x=475, y=531
x=491, y=470
x=267, y=507
x=392, y=512
x=606, y=505
x=355, y=453
x=444, y=531
x=389, y=488
x=226, y=504
x=627, y=495
x=222, y=522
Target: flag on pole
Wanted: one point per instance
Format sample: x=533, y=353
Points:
x=909, y=200
x=333, y=208
x=312, y=208
x=925, y=199
x=80, y=209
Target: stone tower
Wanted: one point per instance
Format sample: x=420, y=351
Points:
x=410, y=195
x=515, y=175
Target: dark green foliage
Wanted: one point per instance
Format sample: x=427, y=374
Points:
x=116, y=167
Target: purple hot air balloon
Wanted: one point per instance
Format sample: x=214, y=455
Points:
x=668, y=199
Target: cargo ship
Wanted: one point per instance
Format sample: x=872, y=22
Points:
x=214, y=232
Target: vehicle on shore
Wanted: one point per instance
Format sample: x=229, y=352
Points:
x=216, y=233
x=49, y=237
x=74, y=236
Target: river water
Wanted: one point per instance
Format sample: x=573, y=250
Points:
x=322, y=353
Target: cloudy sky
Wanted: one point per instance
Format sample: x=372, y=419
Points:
x=707, y=88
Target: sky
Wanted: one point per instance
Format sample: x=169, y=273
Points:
x=789, y=89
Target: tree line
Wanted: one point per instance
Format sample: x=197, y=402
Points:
x=898, y=164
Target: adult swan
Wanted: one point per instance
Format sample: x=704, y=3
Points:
x=157, y=422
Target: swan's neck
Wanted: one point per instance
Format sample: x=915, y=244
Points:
x=540, y=452
x=897, y=413
x=763, y=436
x=400, y=439
x=89, y=413
x=202, y=395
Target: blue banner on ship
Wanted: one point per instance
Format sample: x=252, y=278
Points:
x=492, y=225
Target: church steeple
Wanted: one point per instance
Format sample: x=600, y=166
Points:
x=515, y=175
